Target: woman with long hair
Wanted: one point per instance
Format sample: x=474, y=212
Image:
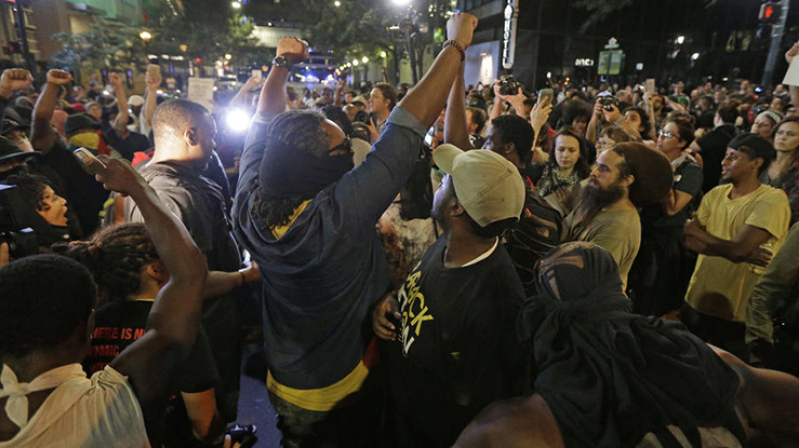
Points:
x=569, y=163
x=783, y=172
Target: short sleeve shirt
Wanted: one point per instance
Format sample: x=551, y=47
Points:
x=720, y=287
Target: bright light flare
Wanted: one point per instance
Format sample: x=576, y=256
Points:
x=237, y=120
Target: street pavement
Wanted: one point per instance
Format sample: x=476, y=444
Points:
x=255, y=408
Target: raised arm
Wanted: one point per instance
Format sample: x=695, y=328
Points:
x=590, y=131
x=273, y=95
x=241, y=95
x=427, y=99
x=455, y=131
x=12, y=80
x=175, y=315
x=338, y=95
x=153, y=81
x=43, y=136
x=121, y=121
x=793, y=90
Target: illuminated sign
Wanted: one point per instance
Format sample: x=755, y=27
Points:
x=509, y=34
x=583, y=62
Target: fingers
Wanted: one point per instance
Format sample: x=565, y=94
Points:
x=4, y=254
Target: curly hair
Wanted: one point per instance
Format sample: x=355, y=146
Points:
x=115, y=256
x=646, y=124
x=32, y=187
x=301, y=129
x=44, y=298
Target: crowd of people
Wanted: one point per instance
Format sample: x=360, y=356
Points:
x=438, y=265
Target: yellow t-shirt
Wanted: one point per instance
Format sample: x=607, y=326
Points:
x=720, y=287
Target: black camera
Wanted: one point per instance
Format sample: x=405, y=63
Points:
x=509, y=86
x=608, y=102
x=15, y=223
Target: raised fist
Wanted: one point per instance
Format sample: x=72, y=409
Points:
x=460, y=28
x=14, y=79
x=153, y=77
x=293, y=49
x=115, y=80
x=58, y=77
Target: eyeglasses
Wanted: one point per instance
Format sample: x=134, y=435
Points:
x=346, y=145
x=667, y=134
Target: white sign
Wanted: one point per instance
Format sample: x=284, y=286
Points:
x=201, y=91
x=583, y=62
x=509, y=34
x=792, y=76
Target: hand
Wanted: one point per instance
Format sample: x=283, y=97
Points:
x=539, y=115
x=253, y=82
x=341, y=84
x=497, y=87
x=251, y=272
x=118, y=175
x=649, y=99
x=516, y=101
x=14, y=79
x=381, y=323
x=4, y=254
x=58, y=77
x=793, y=51
x=293, y=49
x=115, y=81
x=153, y=77
x=612, y=116
x=598, y=108
x=229, y=442
x=761, y=256
x=460, y=28
x=372, y=128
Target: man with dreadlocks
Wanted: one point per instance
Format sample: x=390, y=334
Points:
x=309, y=221
x=610, y=378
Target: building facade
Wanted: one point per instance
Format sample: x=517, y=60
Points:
x=687, y=40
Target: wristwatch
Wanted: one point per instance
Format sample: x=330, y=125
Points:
x=281, y=61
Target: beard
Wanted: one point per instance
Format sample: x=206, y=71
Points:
x=595, y=198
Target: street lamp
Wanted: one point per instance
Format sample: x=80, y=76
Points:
x=695, y=56
x=680, y=40
x=355, y=62
x=145, y=36
x=236, y=5
x=337, y=3
x=228, y=57
x=383, y=54
x=365, y=60
x=401, y=2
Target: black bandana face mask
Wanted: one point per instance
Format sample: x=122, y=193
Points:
x=287, y=172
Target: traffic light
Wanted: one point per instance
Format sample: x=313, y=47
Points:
x=769, y=11
x=15, y=47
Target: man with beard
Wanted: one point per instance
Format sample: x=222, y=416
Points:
x=453, y=349
x=626, y=176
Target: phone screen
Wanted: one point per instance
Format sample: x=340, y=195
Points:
x=650, y=85
x=545, y=96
